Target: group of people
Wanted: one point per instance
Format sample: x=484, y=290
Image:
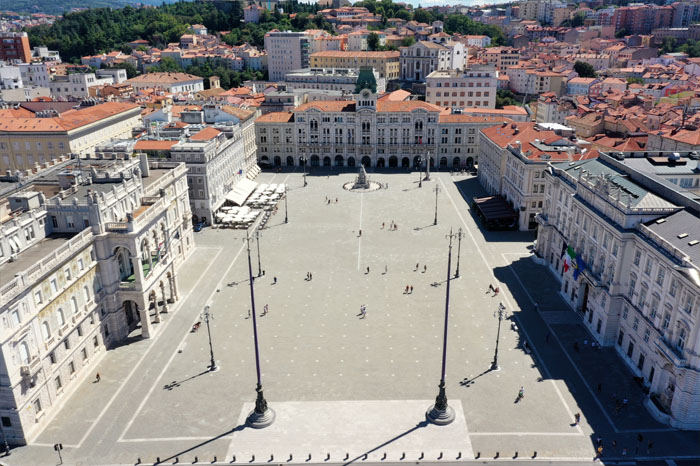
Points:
x=493, y=290
x=329, y=200
x=392, y=226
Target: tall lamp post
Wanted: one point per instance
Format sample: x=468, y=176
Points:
x=257, y=241
x=460, y=235
x=262, y=415
x=427, y=168
x=286, y=217
x=501, y=314
x=437, y=190
x=303, y=162
x=420, y=174
x=206, y=315
x=441, y=413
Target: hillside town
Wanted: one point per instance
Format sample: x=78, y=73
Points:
x=578, y=121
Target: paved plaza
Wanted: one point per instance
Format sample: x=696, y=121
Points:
x=345, y=387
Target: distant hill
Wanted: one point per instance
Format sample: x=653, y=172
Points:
x=54, y=7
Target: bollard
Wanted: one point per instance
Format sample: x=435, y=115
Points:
x=364, y=457
x=233, y=460
x=347, y=455
x=403, y=454
x=459, y=455
x=272, y=457
x=534, y=455
x=384, y=457
x=177, y=460
x=421, y=455
x=196, y=460
x=309, y=458
x=252, y=459
x=138, y=460
x=157, y=459
x=497, y=455
x=328, y=456
x=215, y=460
x=515, y=455
x=290, y=457
x=440, y=457
x=478, y=455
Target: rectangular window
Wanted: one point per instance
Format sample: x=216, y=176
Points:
x=59, y=384
x=667, y=320
x=66, y=343
x=620, y=337
x=635, y=325
x=71, y=367
x=637, y=257
x=647, y=334
x=598, y=325
x=6, y=422
x=673, y=287
x=37, y=406
x=630, y=349
x=647, y=267
x=640, y=363
x=84, y=353
x=54, y=285
x=52, y=357
x=661, y=274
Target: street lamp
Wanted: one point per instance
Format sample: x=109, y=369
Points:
x=206, y=315
x=257, y=241
x=460, y=235
x=501, y=314
x=420, y=175
x=303, y=162
x=262, y=415
x=286, y=217
x=437, y=190
x=427, y=168
x=441, y=413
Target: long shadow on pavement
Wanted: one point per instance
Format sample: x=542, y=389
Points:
x=553, y=342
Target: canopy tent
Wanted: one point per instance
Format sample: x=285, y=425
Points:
x=241, y=191
x=495, y=212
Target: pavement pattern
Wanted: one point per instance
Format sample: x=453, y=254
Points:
x=342, y=385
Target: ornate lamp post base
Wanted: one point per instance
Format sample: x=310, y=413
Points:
x=495, y=367
x=440, y=417
x=260, y=420
x=262, y=416
x=440, y=413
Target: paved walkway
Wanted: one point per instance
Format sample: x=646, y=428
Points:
x=156, y=398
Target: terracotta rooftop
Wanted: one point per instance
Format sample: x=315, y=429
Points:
x=154, y=145
x=206, y=134
x=163, y=78
x=276, y=117
x=67, y=121
x=353, y=54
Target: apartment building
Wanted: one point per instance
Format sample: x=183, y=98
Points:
x=287, y=51
x=76, y=86
x=29, y=143
x=474, y=87
x=624, y=245
x=642, y=19
x=386, y=64
x=513, y=157
x=14, y=46
x=88, y=257
x=502, y=57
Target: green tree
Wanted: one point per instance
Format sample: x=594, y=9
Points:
x=373, y=41
x=635, y=81
x=167, y=64
x=584, y=70
x=423, y=16
x=408, y=41
x=621, y=33
x=505, y=97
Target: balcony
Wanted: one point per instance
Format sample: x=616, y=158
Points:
x=671, y=353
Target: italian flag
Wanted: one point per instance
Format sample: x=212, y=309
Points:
x=569, y=259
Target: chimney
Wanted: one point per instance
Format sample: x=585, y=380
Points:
x=143, y=164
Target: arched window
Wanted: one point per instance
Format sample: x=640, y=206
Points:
x=682, y=335
x=86, y=292
x=74, y=304
x=46, y=330
x=24, y=353
x=61, y=318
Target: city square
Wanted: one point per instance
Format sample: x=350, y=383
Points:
x=349, y=388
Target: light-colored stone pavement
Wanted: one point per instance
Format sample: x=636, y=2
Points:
x=156, y=398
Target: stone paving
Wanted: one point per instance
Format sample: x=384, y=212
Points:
x=157, y=399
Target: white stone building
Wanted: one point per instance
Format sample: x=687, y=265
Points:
x=636, y=240
x=170, y=82
x=330, y=79
x=81, y=271
x=422, y=58
x=475, y=87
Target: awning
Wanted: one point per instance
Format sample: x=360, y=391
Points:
x=241, y=191
x=495, y=211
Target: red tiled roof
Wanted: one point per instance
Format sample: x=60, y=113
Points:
x=154, y=145
x=206, y=134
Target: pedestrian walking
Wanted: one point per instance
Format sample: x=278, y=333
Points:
x=495, y=292
x=624, y=451
x=265, y=309
x=577, y=418
x=336, y=200
x=248, y=314
x=382, y=225
x=624, y=405
x=274, y=280
x=411, y=292
x=491, y=288
x=367, y=269
x=416, y=267
x=599, y=452
x=386, y=269
x=599, y=440
x=311, y=276
x=406, y=291
x=614, y=444
x=360, y=233
x=97, y=377
x=521, y=393
x=425, y=268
